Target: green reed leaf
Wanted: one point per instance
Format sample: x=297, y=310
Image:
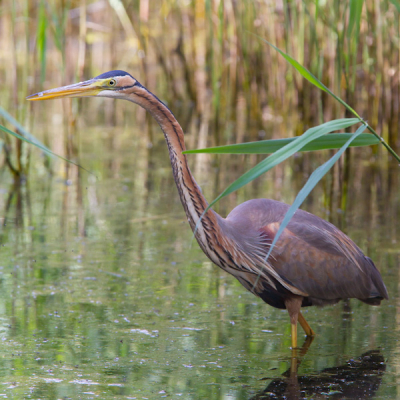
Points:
x=354, y=17
x=58, y=25
x=42, y=40
x=310, y=77
x=314, y=178
x=39, y=145
x=303, y=71
x=329, y=141
x=284, y=153
x=315, y=81
x=28, y=136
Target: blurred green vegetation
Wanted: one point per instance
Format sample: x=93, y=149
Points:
x=201, y=58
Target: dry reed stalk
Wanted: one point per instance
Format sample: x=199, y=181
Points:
x=204, y=49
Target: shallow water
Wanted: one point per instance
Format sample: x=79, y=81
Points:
x=104, y=293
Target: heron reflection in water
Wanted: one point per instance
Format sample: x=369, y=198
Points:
x=356, y=379
x=313, y=263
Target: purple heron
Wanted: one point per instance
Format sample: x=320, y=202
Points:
x=313, y=263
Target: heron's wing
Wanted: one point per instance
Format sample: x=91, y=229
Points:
x=311, y=255
x=320, y=260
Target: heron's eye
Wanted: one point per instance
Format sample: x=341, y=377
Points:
x=112, y=82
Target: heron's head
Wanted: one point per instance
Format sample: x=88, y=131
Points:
x=116, y=84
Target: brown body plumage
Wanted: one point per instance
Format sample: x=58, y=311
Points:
x=313, y=262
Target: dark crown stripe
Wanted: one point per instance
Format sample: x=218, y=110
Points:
x=111, y=74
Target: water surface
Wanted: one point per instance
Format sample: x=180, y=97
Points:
x=105, y=294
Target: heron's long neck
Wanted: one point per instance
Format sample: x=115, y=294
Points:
x=190, y=194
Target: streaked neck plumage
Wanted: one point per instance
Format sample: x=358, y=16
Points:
x=190, y=193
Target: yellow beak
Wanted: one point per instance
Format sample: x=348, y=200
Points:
x=81, y=89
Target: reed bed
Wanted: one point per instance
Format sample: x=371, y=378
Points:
x=206, y=59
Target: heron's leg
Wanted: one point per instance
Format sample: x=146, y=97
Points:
x=304, y=324
x=294, y=335
x=293, y=305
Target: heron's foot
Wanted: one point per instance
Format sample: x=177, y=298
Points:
x=305, y=325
